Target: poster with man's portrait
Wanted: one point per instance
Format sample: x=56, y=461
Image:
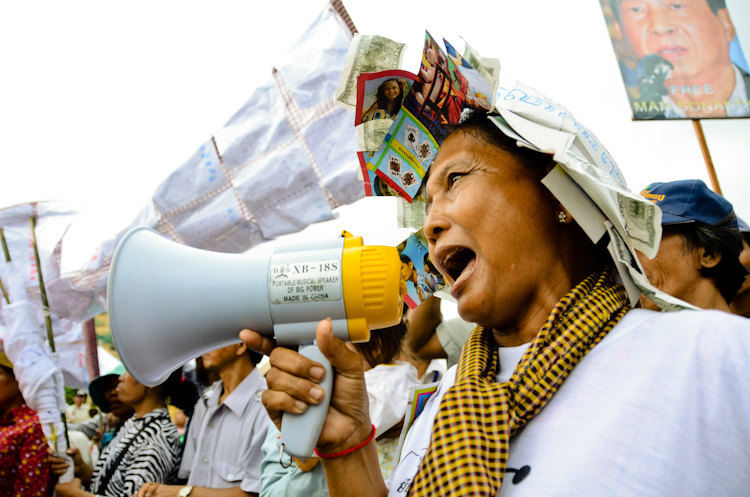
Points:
x=679, y=59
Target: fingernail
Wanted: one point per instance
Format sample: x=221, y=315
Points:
x=316, y=393
x=316, y=372
x=301, y=406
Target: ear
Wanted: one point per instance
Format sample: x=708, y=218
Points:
x=241, y=349
x=559, y=208
x=707, y=260
x=618, y=29
x=726, y=22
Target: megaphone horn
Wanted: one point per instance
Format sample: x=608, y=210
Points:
x=169, y=303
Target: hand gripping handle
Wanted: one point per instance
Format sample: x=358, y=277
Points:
x=300, y=432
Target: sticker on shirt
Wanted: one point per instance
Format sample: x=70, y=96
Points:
x=309, y=281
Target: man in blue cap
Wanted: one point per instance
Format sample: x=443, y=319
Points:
x=698, y=259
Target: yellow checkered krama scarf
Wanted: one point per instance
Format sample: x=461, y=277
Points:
x=471, y=435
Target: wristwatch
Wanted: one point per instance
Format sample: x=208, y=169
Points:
x=185, y=491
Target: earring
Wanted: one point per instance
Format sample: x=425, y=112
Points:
x=562, y=217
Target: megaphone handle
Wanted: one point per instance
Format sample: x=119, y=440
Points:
x=300, y=432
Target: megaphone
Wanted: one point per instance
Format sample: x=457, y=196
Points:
x=169, y=303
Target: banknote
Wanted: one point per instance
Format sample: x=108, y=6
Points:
x=370, y=134
x=366, y=54
x=411, y=214
x=641, y=222
x=633, y=275
x=489, y=68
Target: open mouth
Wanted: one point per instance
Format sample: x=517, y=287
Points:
x=456, y=261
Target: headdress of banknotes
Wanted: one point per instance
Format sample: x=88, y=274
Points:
x=587, y=180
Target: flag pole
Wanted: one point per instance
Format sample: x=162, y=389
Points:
x=707, y=156
x=45, y=308
x=7, y=259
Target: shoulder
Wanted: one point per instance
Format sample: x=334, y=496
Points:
x=685, y=339
x=716, y=325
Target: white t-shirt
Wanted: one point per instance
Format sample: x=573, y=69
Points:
x=388, y=391
x=660, y=407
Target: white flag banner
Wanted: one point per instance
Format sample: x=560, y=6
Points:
x=285, y=160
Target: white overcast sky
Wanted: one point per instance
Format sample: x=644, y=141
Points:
x=100, y=101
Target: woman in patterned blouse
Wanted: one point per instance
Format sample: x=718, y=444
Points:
x=147, y=447
x=23, y=448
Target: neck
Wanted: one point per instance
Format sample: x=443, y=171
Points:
x=9, y=406
x=705, y=295
x=150, y=403
x=233, y=374
x=572, y=267
x=741, y=304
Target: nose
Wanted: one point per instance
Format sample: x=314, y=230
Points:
x=436, y=223
x=659, y=22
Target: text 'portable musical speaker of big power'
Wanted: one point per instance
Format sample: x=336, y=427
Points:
x=169, y=303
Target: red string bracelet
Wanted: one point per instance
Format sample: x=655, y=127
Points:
x=347, y=451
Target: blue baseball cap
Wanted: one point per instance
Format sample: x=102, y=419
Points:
x=687, y=201
x=744, y=228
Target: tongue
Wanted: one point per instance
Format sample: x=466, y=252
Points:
x=460, y=261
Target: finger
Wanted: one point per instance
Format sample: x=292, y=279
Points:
x=297, y=365
x=299, y=388
x=344, y=360
x=73, y=451
x=257, y=342
x=278, y=401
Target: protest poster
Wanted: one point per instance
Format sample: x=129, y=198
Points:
x=679, y=60
x=417, y=270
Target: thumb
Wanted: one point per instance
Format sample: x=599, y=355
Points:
x=335, y=350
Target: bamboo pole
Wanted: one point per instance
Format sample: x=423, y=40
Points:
x=5, y=245
x=45, y=308
x=706, y=156
x=5, y=292
x=7, y=259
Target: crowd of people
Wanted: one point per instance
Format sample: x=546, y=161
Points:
x=661, y=395
x=551, y=383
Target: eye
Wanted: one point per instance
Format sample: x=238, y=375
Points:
x=676, y=6
x=453, y=177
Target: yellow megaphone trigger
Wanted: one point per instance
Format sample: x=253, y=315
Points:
x=371, y=283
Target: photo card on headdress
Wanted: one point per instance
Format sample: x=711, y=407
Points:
x=417, y=270
x=377, y=97
x=435, y=98
x=406, y=155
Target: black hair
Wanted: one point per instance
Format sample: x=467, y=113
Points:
x=714, y=5
x=382, y=100
x=721, y=238
x=476, y=123
x=429, y=264
x=180, y=392
x=384, y=345
x=405, y=259
x=8, y=371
